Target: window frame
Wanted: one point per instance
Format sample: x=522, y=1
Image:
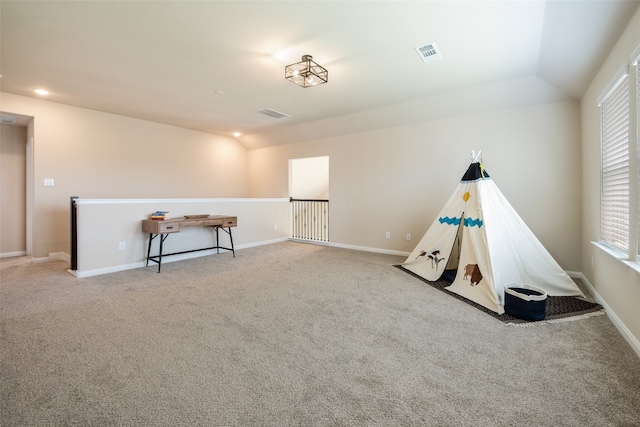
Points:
x=615, y=139
x=630, y=71
x=635, y=63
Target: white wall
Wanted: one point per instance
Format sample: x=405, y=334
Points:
x=617, y=284
x=99, y=155
x=398, y=179
x=309, y=178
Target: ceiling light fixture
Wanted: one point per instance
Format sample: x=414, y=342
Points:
x=41, y=91
x=306, y=72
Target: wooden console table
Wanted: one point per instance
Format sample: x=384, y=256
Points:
x=165, y=227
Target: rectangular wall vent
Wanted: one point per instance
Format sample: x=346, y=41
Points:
x=272, y=113
x=429, y=52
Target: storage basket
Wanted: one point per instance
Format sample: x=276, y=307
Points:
x=525, y=301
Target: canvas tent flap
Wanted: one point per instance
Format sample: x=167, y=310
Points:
x=432, y=253
x=430, y=263
x=495, y=249
x=522, y=258
x=474, y=278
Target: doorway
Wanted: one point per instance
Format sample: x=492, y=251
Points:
x=16, y=156
x=309, y=195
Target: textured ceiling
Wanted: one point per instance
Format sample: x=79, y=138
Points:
x=209, y=65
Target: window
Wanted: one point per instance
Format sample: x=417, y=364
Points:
x=620, y=174
x=614, y=202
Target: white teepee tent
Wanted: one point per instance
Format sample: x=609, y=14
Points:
x=480, y=236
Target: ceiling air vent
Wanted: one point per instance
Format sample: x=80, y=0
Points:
x=272, y=113
x=6, y=119
x=429, y=52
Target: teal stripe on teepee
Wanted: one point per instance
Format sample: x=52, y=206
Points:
x=450, y=221
x=470, y=222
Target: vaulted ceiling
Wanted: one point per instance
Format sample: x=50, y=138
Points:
x=209, y=65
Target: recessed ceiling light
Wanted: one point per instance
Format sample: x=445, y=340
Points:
x=237, y=134
x=41, y=91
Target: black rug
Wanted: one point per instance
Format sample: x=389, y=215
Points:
x=556, y=308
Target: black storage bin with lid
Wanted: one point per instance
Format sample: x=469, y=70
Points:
x=525, y=301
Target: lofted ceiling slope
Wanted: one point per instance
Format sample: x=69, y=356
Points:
x=209, y=65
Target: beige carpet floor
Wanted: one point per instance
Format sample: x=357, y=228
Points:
x=292, y=334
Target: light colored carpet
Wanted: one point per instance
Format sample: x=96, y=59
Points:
x=293, y=334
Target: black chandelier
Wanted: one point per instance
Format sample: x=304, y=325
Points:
x=306, y=72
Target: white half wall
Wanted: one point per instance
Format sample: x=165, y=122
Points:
x=104, y=223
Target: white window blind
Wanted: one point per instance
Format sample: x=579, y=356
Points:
x=614, y=215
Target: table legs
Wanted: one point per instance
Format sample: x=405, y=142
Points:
x=158, y=258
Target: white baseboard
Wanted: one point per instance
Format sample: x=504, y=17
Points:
x=100, y=271
x=626, y=333
x=367, y=249
x=167, y=260
x=54, y=256
x=13, y=254
x=262, y=243
x=353, y=247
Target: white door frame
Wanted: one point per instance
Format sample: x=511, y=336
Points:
x=29, y=196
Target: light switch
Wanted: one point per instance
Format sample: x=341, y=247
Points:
x=48, y=182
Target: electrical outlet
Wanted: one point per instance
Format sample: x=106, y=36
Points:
x=408, y=236
x=275, y=227
x=48, y=182
x=122, y=246
x=387, y=235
